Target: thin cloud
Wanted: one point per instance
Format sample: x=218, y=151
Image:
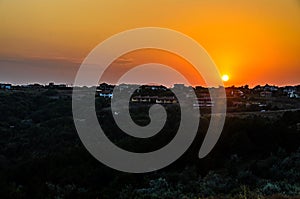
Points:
x=25, y=70
x=124, y=61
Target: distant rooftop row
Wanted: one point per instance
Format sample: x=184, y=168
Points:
x=109, y=86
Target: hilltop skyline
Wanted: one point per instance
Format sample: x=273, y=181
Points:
x=66, y=85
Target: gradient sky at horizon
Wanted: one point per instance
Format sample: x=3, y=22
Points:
x=254, y=42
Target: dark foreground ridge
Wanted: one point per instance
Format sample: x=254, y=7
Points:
x=257, y=156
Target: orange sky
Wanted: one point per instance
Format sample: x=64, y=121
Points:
x=139, y=57
x=255, y=42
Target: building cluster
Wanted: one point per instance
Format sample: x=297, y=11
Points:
x=237, y=96
x=154, y=99
x=5, y=86
x=204, y=101
x=257, y=97
x=105, y=90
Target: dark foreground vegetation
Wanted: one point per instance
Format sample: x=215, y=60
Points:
x=41, y=155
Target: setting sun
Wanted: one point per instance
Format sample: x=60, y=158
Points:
x=225, y=78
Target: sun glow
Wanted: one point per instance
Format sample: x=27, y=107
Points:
x=225, y=78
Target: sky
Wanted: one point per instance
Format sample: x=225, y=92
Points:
x=254, y=42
